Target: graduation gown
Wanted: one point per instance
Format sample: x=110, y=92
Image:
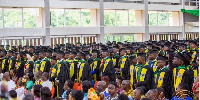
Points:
x=45, y=65
x=36, y=66
x=107, y=69
x=152, y=64
x=11, y=62
x=163, y=78
x=73, y=70
x=195, y=68
x=20, y=68
x=4, y=65
x=84, y=71
x=95, y=69
x=29, y=65
x=144, y=73
x=116, y=60
x=181, y=75
x=124, y=66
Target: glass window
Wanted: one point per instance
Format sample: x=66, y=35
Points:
x=85, y=17
x=13, y=17
x=1, y=24
x=109, y=17
x=131, y=18
x=122, y=17
x=57, y=17
x=128, y=38
x=170, y=18
x=30, y=15
x=117, y=38
x=162, y=19
x=107, y=37
x=152, y=18
x=72, y=17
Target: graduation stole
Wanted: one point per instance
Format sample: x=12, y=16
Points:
x=114, y=59
x=195, y=74
x=131, y=74
x=94, y=66
x=18, y=64
x=53, y=72
x=43, y=63
x=59, y=66
x=153, y=65
x=10, y=63
x=194, y=54
x=123, y=62
x=141, y=73
x=27, y=65
x=37, y=65
x=3, y=63
x=80, y=72
x=104, y=64
x=72, y=69
x=159, y=80
x=178, y=77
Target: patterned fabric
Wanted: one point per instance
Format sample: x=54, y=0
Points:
x=108, y=97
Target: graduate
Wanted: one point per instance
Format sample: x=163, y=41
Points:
x=116, y=56
x=163, y=76
x=73, y=65
x=180, y=72
x=133, y=62
x=45, y=64
x=4, y=64
x=36, y=63
x=29, y=64
x=11, y=60
x=123, y=64
x=95, y=66
x=20, y=65
x=106, y=67
x=152, y=62
x=83, y=71
x=143, y=73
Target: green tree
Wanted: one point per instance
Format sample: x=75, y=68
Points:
x=13, y=18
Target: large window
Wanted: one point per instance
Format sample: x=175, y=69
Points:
x=170, y=19
x=122, y=17
x=72, y=17
x=131, y=18
x=85, y=17
x=13, y=17
x=128, y=38
x=152, y=18
x=57, y=17
x=117, y=38
x=107, y=37
x=30, y=15
x=1, y=24
x=109, y=18
x=162, y=19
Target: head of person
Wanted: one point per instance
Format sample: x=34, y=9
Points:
x=86, y=85
x=3, y=53
x=182, y=87
x=21, y=82
x=80, y=55
x=141, y=58
x=126, y=85
x=28, y=57
x=197, y=61
x=106, y=79
x=87, y=56
x=161, y=61
x=53, y=61
x=123, y=97
x=66, y=56
x=137, y=94
x=12, y=72
x=20, y=56
x=13, y=94
x=101, y=86
x=152, y=94
x=68, y=85
x=45, y=76
x=31, y=49
x=115, y=49
x=42, y=54
x=59, y=55
x=45, y=93
x=38, y=75
x=9, y=54
x=133, y=59
x=48, y=54
x=179, y=59
x=112, y=88
x=193, y=44
x=105, y=52
x=72, y=55
x=161, y=93
x=122, y=51
x=29, y=76
x=142, y=48
x=76, y=95
x=119, y=80
x=6, y=76
x=36, y=56
x=68, y=93
x=28, y=97
x=36, y=90
x=94, y=54
x=152, y=54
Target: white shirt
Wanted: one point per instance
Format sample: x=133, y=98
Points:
x=11, y=85
x=47, y=84
x=20, y=92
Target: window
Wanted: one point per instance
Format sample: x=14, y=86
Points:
x=57, y=17
x=122, y=18
x=152, y=18
x=107, y=37
x=13, y=17
x=131, y=18
x=117, y=38
x=72, y=17
x=1, y=24
x=162, y=19
x=170, y=19
x=128, y=38
x=30, y=15
x=85, y=17
x=109, y=17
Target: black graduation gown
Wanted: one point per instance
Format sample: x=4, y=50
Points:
x=125, y=70
x=47, y=66
x=31, y=65
x=96, y=69
x=13, y=63
x=86, y=74
x=109, y=71
x=75, y=70
x=116, y=64
x=62, y=77
x=149, y=77
x=167, y=82
x=20, y=69
x=4, y=64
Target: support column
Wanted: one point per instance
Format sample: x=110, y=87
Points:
x=146, y=20
x=133, y=37
x=46, y=39
x=100, y=38
x=111, y=37
x=182, y=36
x=122, y=38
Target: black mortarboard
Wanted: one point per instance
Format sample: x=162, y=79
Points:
x=193, y=42
x=104, y=49
x=94, y=51
x=116, y=46
x=7, y=45
x=87, y=52
x=67, y=52
x=153, y=51
x=141, y=54
x=13, y=46
x=60, y=52
x=162, y=58
x=142, y=46
x=179, y=55
x=31, y=47
x=132, y=57
x=73, y=52
x=42, y=51
x=121, y=49
x=82, y=54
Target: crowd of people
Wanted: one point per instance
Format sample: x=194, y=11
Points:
x=150, y=70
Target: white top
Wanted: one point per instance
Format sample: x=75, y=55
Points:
x=47, y=84
x=20, y=92
x=11, y=85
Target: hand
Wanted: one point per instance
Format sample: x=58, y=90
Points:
x=56, y=83
x=117, y=69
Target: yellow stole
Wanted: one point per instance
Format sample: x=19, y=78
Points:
x=105, y=64
x=42, y=66
x=154, y=66
x=122, y=64
x=3, y=63
x=160, y=79
x=142, y=74
x=193, y=55
x=131, y=74
x=37, y=67
x=178, y=77
x=71, y=70
x=10, y=64
x=80, y=71
x=53, y=72
x=58, y=70
x=94, y=67
x=114, y=62
x=18, y=64
x=195, y=74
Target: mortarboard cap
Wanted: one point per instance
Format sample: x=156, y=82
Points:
x=141, y=54
x=132, y=57
x=164, y=58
